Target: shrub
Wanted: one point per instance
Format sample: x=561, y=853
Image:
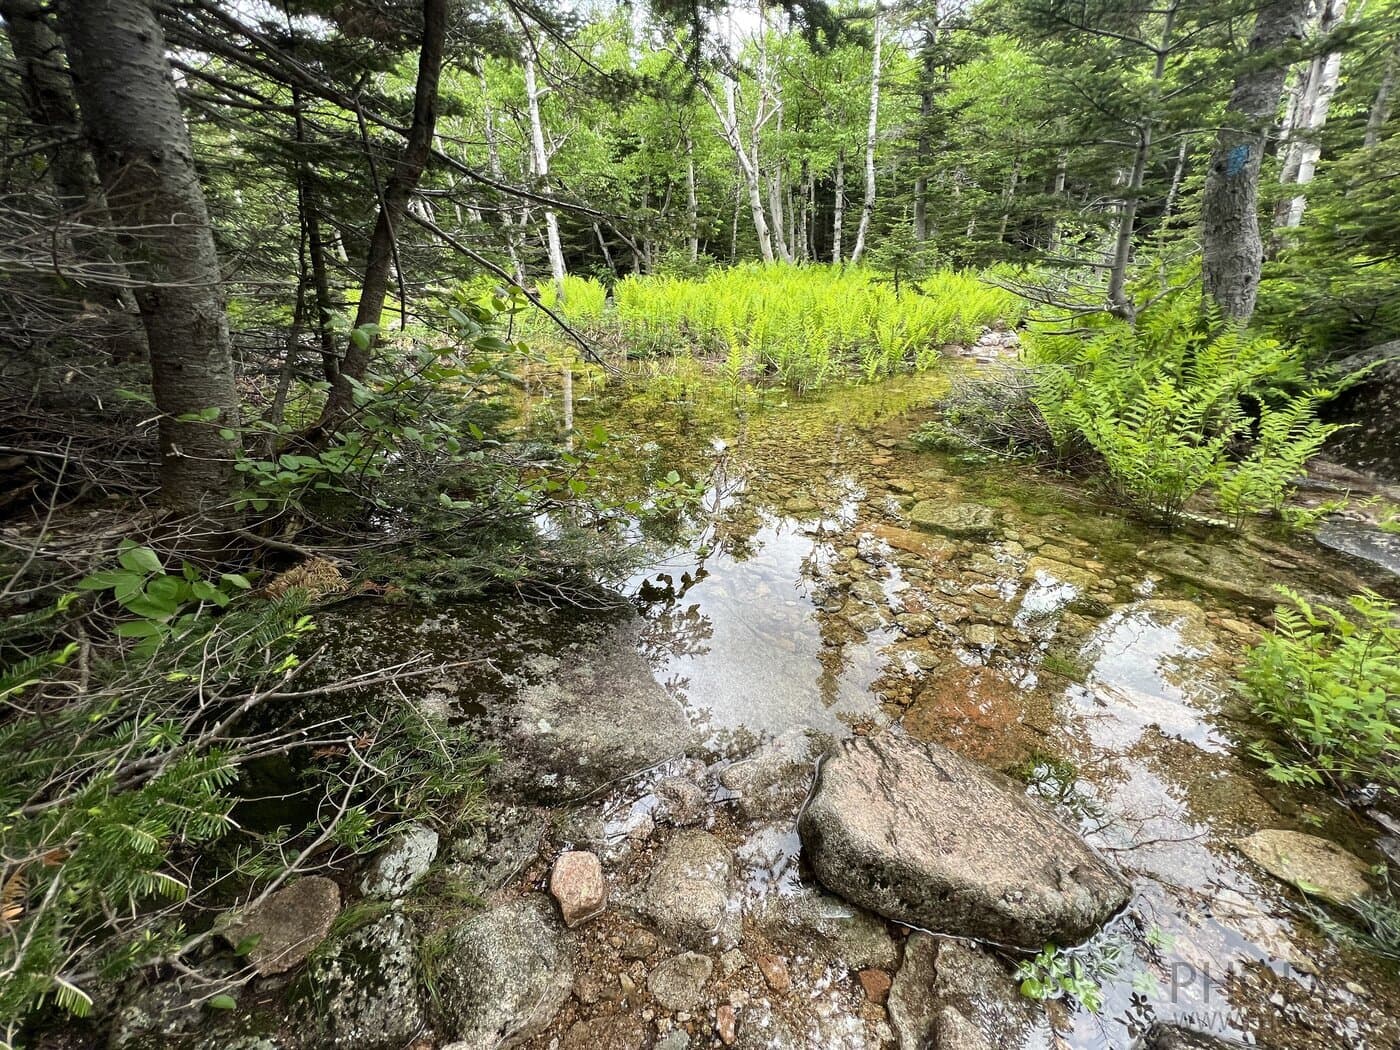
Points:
x=1171, y=408
x=1328, y=681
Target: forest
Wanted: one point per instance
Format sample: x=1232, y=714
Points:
x=814, y=523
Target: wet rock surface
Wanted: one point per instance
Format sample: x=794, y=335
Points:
x=687, y=897
x=589, y=717
x=503, y=975
x=364, y=991
x=1314, y=865
x=921, y=835
x=288, y=925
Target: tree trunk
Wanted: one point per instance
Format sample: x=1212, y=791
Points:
x=924, y=144
x=539, y=160
x=47, y=92
x=867, y=210
x=1127, y=216
x=1232, y=250
x=493, y=160
x=1052, y=240
x=1380, y=106
x=729, y=125
x=1304, y=146
x=1178, y=173
x=802, y=237
x=775, y=205
x=1008, y=198
x=692, y=206
x=381, y=261
x=839, y=206
x=131, y=114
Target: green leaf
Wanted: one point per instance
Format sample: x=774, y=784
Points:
x=238, y=580
x=223, y=1002
x=140, y=559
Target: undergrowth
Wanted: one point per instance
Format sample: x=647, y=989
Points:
x=805, y=326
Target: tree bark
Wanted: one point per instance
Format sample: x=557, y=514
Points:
x=1304, y=148
x=692, y=205
x=141, y=144
x=539, y=161
x=1380, y=106
x=867, y=210
x=493, y=160
x=1232, y=250
x=47, y=91
x=1178, y=173
x=923, y=143
x=1127, y=215
x=838, y=206
x=729, y=125
x=408, y=169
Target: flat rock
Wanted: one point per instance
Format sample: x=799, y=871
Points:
x=1213, y=568
x=1359, y=539
x=679, y=982
x=397, y=868
x=687, y=895
x=950, y=993
x=576, y=883
x=923, y=836
x=1311, y=864
x=591, y=715
x=809, y=922
x=363, y=992
x=287, y=925
x=960, y=520
x=1047, y=571
x=505, y=974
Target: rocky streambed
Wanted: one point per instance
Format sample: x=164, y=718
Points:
x=872, y=729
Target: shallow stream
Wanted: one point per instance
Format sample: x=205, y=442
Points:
x=1053, y=639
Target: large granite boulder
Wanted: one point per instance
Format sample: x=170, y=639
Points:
x=1373, y=405
x=919, y=834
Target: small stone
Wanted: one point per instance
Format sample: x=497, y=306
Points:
x=679, y=982
x=637, y=943
x=775, y=972
x=732, y=961
x=589, y=988
x=726, y=1025
x=576, y=882
x=876, y=984
x=683, y=802
x=287, y=925
x=397, y=867
x=960, y=520
x=674, y=1040
x=980, y=636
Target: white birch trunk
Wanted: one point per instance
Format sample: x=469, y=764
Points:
x=867, y=211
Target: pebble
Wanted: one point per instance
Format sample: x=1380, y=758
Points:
x=876, y=984
x=775, y=972
x=726, y=1025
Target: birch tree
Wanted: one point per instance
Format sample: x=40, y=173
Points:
x=867, y=210
x=1304, y=144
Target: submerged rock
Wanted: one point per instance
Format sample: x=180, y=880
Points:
x=950, y=994
x=810, y=922
x=363, y=992
x=1314, y=865
x=923, y=836
x=288, y=925
x=687, y=896
x=503, y=975
x=1361, y=540
x=595, y=717
x=1217, y=569
x=960, y=520
x=776, y=778
x=399, y=865
x=1177, y=1037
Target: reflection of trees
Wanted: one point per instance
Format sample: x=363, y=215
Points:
x=673, y=628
